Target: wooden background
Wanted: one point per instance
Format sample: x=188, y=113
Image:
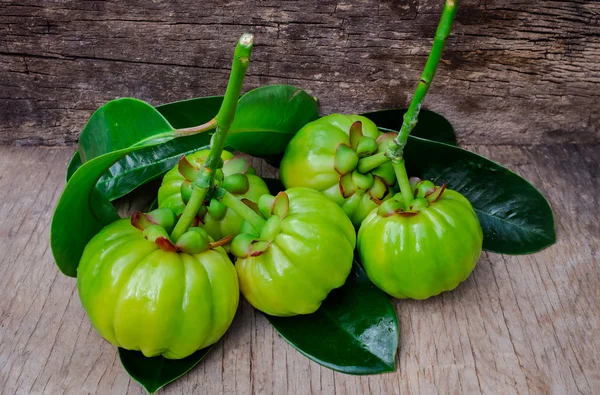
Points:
x=520, y=81
x=514, y=72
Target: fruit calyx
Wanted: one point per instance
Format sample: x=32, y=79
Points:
x=275, y=209
x=426, y=189
x=194, y=241
x=425, y=193
x=165, y=217
x=279, y=205
x=247, y=245
x=359, y=166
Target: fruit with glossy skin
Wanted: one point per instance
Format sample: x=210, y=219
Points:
x=324, y=155
x=423, y=250
x=303, y=251
x=237, y=176
x=143, y=293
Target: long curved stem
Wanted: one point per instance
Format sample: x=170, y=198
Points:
x=396, y=149
x=223, y=120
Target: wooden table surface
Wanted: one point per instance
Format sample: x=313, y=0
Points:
x=519, y=324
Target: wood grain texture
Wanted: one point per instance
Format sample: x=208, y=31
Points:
x=519, y=324
x=514, y=71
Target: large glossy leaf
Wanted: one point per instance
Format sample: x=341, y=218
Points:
x=74, y=164
x=515, y=217
x=431, y=125
x=154, y=373
x=268, y=117
x=142, y=166
x=120, y=124
x=82, y=210
x=285, y=109
x=192, y=112
x=354, y=331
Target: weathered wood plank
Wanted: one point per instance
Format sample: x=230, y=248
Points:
x=515, y=71
x=519, y=324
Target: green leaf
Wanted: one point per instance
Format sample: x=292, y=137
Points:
x=120, y=124
x=140, y=167
x=82, y=210
x=515, y=217
x=147, y=164
x=268, y=117
x=156, y=372
x=354, y=331
x=74, y=164
x=288, y=109
x=192, y=112
x=431, y=125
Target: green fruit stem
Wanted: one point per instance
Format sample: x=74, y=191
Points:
x=223, y=120
x=241, y=209
x=395, y=149
x=403, y=182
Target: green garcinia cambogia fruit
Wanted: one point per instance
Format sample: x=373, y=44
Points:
x=237, y=176
x=142, y=292
x=425, y=249
x=303, y=251
x=335, y=154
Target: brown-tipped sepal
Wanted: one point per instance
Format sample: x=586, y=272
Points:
x=236, y=183
x=165, y=217
x=355, y=134
x=281, y=205
x=158, y=235
x=435, y=195
x=239, y=164
x=424, y=188
x=274, y=205
x=347, y=187
x=140, y=220
x=187, y=169
x=245, y=245
x=366, y=146
x=345, y=160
